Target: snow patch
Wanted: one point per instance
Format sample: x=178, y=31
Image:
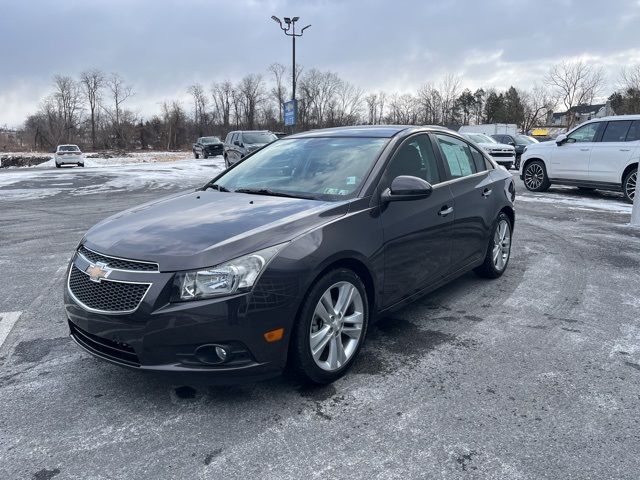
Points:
x=589, y=204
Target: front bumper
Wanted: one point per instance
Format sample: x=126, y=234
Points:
x=160, y=336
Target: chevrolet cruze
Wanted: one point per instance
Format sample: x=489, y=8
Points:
x=288, y=257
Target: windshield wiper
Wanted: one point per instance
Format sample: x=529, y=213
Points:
x=220, y=188
x=273, y=193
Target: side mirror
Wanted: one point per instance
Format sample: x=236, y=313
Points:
x=236, y=142
x=560, y=139
x=513, y=144
x=405, y=187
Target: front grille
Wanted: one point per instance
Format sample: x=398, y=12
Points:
x=502, y=154
x=117, y=351
x=107, y=296
x=118, y=263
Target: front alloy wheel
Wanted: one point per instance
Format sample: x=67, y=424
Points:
x=336, y=326
x=629, y=185
x=535, y=177
x=330, y=328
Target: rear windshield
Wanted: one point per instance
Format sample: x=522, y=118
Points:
x=258, y=137
x=68, y=148
x=210, y=140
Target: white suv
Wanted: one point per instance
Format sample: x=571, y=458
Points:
x=601, y=153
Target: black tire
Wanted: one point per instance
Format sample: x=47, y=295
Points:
x=204, y=155
x=509, y=166
x=629, y=185
x=535, y=176
x=488, y=269
x=81, y=165
x=301, y=361
x=58, y=165
x=196, y=155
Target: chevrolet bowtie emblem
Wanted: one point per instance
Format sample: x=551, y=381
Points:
x=97, y=271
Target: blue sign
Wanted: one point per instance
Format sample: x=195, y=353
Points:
x=290, y=110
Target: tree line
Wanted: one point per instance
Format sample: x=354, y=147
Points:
x=93, y=109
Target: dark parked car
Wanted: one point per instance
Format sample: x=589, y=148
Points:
x=208, y=147
x=288, y=256
x=241, y=143
x=518, y=141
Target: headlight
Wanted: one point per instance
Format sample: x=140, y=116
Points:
x=487, y=149
x=226, y=279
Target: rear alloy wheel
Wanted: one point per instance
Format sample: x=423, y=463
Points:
x=629, y=185
x=498, y=250
x=331, y=327
x=535, y=177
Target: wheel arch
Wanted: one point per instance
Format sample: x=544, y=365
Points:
x=509, y=212
x=532, y=159
x=626, y=171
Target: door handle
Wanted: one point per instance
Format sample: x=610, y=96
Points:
x=625, y=149
x=487, y=192
x=445, y=210
x=584, y=149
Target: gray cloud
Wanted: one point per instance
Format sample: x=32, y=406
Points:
x=161, y=47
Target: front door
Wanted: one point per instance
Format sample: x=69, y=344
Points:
x=417, y=233
x=570, y=160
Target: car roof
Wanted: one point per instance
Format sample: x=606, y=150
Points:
x=369, y=131
x=617, y=117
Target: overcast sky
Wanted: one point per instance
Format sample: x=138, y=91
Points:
x=161, y=47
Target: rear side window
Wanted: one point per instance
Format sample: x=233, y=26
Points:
x=616, y=131
x=458, y=159
x=481, y=163
x=634, y=132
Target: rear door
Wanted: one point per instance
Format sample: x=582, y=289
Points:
x=417, y=233
x=570, y=161
x=474, y=193
x=609, y=156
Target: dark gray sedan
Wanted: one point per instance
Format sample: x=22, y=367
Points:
x=287, y=257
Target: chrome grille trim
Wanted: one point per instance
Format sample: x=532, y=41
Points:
x=105, y=259
x=107, y=312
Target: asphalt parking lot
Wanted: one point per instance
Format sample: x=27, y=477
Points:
x=535, y=375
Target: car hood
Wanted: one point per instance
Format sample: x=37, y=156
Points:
x=205, y=228
x=497, y=145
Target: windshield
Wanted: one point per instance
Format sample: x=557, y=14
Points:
x=525, y=140
x=321, y=168
x=210, y=140
x=68, y=148
x=258, y=137
x=480, y=138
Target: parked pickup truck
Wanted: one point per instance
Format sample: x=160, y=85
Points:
x=241, y=143
x=208, y=147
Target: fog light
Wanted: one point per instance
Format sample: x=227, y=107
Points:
x=222, y=353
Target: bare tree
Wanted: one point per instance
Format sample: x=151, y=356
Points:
x=68, y=100
x=537, y=103
x=279, y=91
x=223, y=95
x=251, y=90
x=200, y=102
x=119, y=94
x=630, y=78
x=92, y=82
x=575, y=83
x=449, y=90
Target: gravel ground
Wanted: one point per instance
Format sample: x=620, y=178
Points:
x=535, y=375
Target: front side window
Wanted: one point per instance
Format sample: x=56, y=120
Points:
x=457, y=155
x=584, y=134
x=634, y=132
x=322, y=168
x=415, y=158
x=616, y=131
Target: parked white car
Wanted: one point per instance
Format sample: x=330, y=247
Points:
x=599, y=154
x=502, y=153
x=68, y=155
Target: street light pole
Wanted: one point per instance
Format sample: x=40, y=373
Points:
x=289, y=29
